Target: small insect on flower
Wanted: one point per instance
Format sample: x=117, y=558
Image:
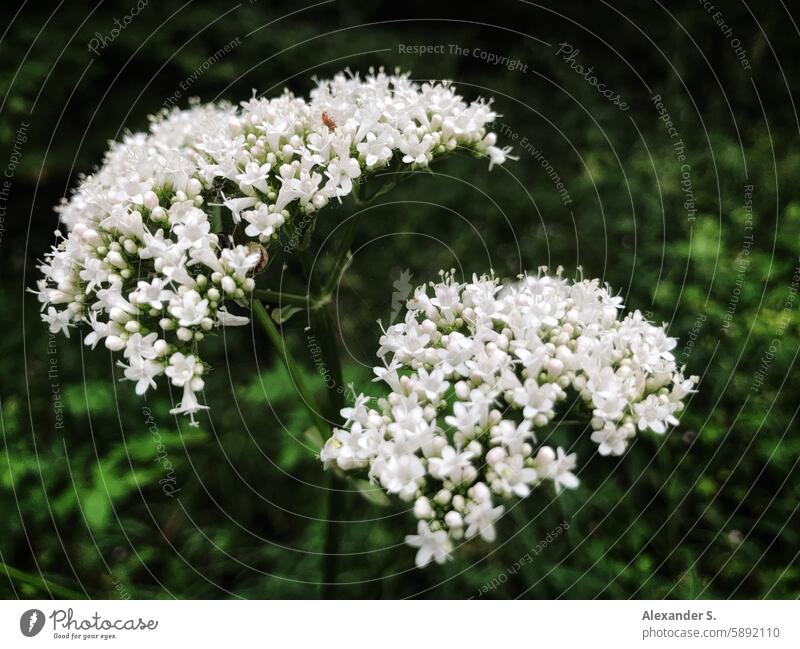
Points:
x=328, y=121
x=263, y=256
x=225, y=240
x=150, y=274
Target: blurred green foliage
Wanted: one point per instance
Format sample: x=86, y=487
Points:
x=710, y=510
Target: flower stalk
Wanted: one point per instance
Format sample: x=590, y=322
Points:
x=275, y=336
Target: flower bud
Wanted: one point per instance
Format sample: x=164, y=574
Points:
x=150, y=200
x=453, y=520
x=115, y=343
x=184, y=334
x=118, y=315
x=228, y=285
x=443, y=497
x=495, y=455
x=193, y=188
x=422, y=508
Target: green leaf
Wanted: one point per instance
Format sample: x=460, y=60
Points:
x=96, y=508
x=372, y=493
x=283, y=313
x=314, y=438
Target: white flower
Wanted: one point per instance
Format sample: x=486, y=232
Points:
x=254, y=176
x=512, y=435
x=59, y=321
x=237, y=205
x=557, y=466
x=401, y=475
x=351, y=448
x=498, y=156
x=226, y=319
x=611, y=439
x=467, y=417
x=341, y=174
x=189, y=404
x=262, y=223
x=99, y=331
x=452, y=465
x=416, y=149
x=181, y=368
x=654, y=413
x=153, y=293
x=536, y=398
x=139, y=346
x=514, y=477
x=193, y=231
x=375, y=148
x=434, y=546
x=189, y=309
x=481, y=519
x=143, y=371
x=431, y=384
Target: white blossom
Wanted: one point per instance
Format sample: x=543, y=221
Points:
x=475, y=369
x=432, y=545
x=146, y=247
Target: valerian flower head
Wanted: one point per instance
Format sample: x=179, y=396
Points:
x=147, y=249
x=472, y=373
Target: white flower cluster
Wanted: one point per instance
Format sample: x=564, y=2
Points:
x=175, y=222
x=474, y=370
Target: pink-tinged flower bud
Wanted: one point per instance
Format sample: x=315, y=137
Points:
x=150, y=200
x=453, y=520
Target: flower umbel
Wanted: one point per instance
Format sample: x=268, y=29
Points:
x=148, y=248
x=474, y=370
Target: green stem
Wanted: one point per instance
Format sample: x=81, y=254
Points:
x=322, y=321
x=216, y=218
x=280, y=298
x=340, y=259
x=335, y=495
x=40, y=582
x=271, y=329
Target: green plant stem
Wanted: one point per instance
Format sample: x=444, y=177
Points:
x=340, y=259
x=271, y=329
x=321, y=312
x=322, y=323
x=281, y=299
x=335, y=495
x=40, y=582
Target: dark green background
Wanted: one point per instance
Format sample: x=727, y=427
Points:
x=710, y=510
